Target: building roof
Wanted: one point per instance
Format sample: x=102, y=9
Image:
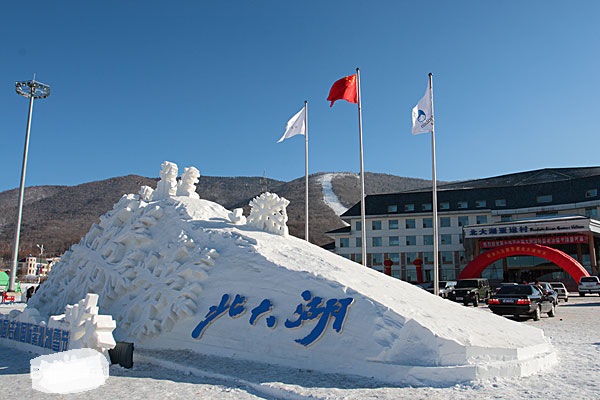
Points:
x=519, y=190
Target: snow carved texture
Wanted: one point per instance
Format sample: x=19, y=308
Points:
x=167, y=186
x=187, y=186
x=269, y=213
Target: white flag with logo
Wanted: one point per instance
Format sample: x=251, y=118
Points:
x=295, y=126
x=422, y=114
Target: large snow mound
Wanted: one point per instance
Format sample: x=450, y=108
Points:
x=176, y=273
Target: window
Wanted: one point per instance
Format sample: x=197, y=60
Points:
x=462, y=204
x=376, y=259
x=411, y=240
x=480, y=203
x=500, y=202
x=344, y=242
x=427, y=223
x=505, y=218
x=447, y=257
x=410, y=223
x=395, y=257
x=446, y=239
x=463, y=221
x=591, y=193
x=426, y=206
x=393, y=208
x=591, y=212
x=428, y=257
x=358, y=258
x=358, y=242
x=410, y=257
x=358, y=226
x=427, y=239
x=409, y=207
x=547, y=198
x=376, y=225
x=444, y=205
x=481, y=219
x=445, y=222
x=377, y=242
x=394, y=241
x=393, y=224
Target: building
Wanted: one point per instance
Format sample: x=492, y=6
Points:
x=37, y=266
x=478, y=216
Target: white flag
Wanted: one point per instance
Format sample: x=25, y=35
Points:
x=422, y=114
x=295, y=126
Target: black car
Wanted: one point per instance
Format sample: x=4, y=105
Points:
x=471, y=291
x=522, y=300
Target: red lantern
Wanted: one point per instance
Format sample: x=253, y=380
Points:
x=388, y=266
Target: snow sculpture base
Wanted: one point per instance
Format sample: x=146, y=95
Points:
x=178, y=274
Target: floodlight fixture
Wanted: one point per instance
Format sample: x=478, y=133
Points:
x=32, y=90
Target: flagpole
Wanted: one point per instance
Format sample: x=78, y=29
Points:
x=306, y=168
x=436, y=279
x=363, y=223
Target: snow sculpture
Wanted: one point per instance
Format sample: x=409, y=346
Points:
x=87, y=328
x=237, y=217
x=146, y=193
x=269, y=213
x=167, y=186
x=187, y=185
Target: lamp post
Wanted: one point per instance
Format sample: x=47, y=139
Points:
x=32, y=90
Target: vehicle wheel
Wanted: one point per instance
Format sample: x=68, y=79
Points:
x=476, y=301
x=581, y=294
x=537, y=314
x=466, y=304
x=552, y=311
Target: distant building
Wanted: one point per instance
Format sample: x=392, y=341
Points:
x=555, y=207
x=37, y=266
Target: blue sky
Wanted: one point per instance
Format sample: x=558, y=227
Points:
x=212, y=84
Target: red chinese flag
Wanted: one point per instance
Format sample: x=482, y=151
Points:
x=344, y=89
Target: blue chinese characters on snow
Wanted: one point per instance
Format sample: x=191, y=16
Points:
x=37, y=335
x=313, y=308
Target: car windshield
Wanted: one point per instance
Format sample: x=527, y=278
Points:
x=467, y=283
x=516, y=289
x=557, y=285
x=589, y=279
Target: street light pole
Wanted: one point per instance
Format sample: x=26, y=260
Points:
x=32, y=90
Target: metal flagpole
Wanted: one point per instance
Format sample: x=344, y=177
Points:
x=306, y=167
x=436, y=278
x=362, y=174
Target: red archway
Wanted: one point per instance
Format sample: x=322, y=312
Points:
x=563, y=260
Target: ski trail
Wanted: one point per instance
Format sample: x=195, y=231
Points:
x=330, y=197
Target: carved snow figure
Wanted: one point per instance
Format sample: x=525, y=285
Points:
x=269, y=213
x=146, y=193
x=237, y=217
x=167, y=186
x=187, y=185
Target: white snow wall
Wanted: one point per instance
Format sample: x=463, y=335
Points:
x=163, y=268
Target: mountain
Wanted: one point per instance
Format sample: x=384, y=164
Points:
x=58, y=216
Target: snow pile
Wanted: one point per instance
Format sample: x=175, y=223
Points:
x=177, y=273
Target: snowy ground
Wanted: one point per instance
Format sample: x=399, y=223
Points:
x=575, y=333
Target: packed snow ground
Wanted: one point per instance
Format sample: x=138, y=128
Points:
x=575, y=333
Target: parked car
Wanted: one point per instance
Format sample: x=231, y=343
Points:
x=445, y=287
x=549, y=290
x=524, y=299
x=471, y=291
x=504, y=284
x=589, y=284
x=561, y=290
